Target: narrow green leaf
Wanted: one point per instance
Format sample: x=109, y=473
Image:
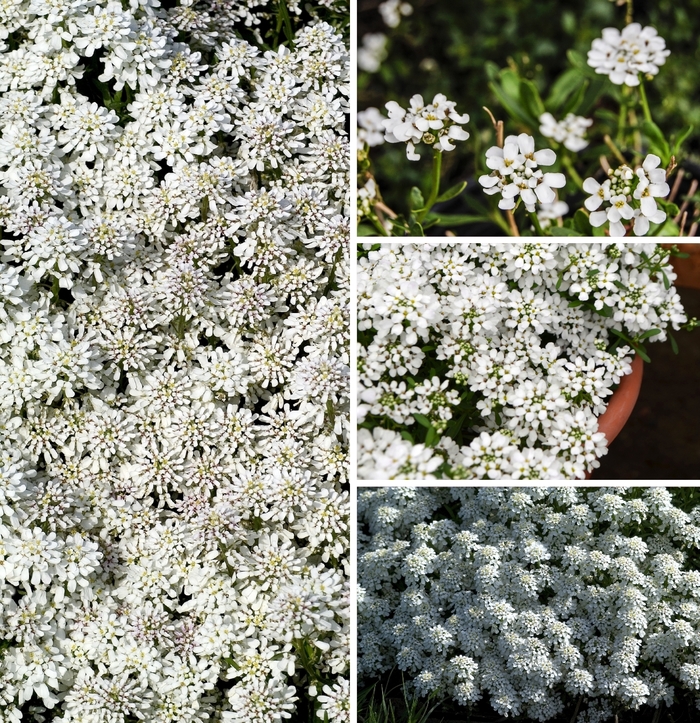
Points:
x=530, y=97
x=422, y=420
x=568, y=82
x=658, y=144
x=451, y=192
x=674, y=343
x=582, y=223
x=416, y=200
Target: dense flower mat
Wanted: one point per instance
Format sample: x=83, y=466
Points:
x=173, y=361
x=533, y=599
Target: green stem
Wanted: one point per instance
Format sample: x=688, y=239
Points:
x=645, y=102
x=375, y=222
x=434, y=187
x=568, y=164
x=536, y=223
x=621, y=123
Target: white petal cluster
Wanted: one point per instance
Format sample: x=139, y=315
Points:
x=570, y=131
x=173, y=363
x=436, y=124
x=516, y=173
x=393, y=10
x=497, y=333
x=370, y=128
x=622, y=56
x=628, y=197
x=532, y=598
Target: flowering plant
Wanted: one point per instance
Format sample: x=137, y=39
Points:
x=594, y=127
x=545, y=600
x=173, y=361
x=494, y=360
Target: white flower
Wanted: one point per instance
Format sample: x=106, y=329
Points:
x=570, y=131
x=392, y=11
x=630, y=195
x=372, y=53
x=370, y=127
x=436, y=124
x=516, y=173
x=623, y=55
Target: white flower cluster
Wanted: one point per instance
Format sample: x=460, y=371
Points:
x=436, y=124
x=516, y=173
x=629, y=196
x=533, y=597
x=570, y=131
x=393, y=10
x=373, y=52
x=515, y=336
x=622, y=56
x=173, y=363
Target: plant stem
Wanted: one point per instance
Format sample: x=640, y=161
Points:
x=630, y=12
x=643, y=97
x=511, y=222
x=615, y=150
x=434, y=185
x=536, y=223
x=568, y=164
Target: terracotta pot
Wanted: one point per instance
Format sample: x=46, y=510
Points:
x=688, y=270
x=621, y=403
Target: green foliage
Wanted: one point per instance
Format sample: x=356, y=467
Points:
x=521, y=58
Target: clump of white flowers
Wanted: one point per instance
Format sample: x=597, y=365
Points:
x=494, y=360
x=622, y=56
x=436, y=124
x=516, y=173
x=627, y=198
x=570, y=131
x=535, y=598
x=173, y=362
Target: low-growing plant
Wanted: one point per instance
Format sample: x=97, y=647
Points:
x=537, y=600
x=494, y=360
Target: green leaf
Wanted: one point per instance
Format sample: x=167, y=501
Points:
x=582, y=223
x=407, y=436
x=642, y=353
x=674, y=343
x=564, y=231
x=680, y=138
x=432, y=438
x=670, y=228
x=416, y=200
x=658, y=144
x=451, y=192
x=365, y=230
x=578, y=60
x=568, y=82
x=445, y=219
x=512, y=107
x=415, y=228
x=530, y=97
x=423, y=420
x=572, y=105
x=649, y=333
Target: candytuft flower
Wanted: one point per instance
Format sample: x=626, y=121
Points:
x=517, y=173
x=436, y=124
x=624, y=55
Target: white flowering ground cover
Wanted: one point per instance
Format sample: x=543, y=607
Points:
x=494, y=360
x=540, y=602
x=173, y=361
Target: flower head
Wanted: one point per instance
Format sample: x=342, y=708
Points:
x=436, y=124
x=516, y=173
x=623, y=55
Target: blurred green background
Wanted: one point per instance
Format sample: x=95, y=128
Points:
x=448, y=46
